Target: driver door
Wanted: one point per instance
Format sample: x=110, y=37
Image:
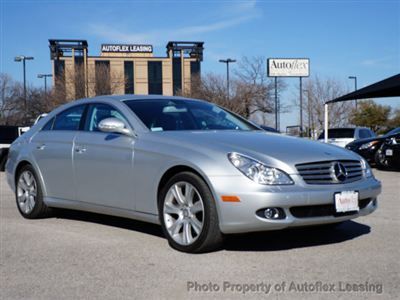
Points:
x=103, y=162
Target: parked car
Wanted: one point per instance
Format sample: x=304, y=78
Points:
x=198, y=170
x=388, y=155
x=368, y=148
x=7, y=135
x=343, y=136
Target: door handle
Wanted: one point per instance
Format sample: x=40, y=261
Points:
x=80, y=149
x=41, y=147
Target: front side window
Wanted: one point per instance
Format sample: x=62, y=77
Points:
x=99, y=112
x=69, y=119
x=179, y=114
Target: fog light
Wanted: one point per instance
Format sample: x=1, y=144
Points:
x=272, y=213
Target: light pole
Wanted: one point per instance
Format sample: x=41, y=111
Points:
x=227, y=62
x=45, y=81
x=23, y=58
x=355, y=86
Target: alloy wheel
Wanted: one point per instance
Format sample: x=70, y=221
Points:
x=183, y=211
x=26, y=192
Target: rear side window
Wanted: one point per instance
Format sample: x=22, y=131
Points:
x=364, y=134
x=69, y=119
x=339, y=133
x=49, y=125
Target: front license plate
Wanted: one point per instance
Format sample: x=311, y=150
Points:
x=389, y=152
x=346, y=201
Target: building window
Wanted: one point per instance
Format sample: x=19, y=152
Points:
x=154, y=72
x=80, y=82
x=128, y=78
x=59, y=78
x=177, y=74
x=103, y=80
x=194, y=74
x=194, y=68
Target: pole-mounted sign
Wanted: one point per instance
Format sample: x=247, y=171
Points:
x=288, y=67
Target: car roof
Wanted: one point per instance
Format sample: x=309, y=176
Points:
x=129, y=97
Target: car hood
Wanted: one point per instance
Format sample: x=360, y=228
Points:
x=359, y=142
x=267, y=147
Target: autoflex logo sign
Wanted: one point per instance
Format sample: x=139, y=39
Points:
x=126, y=48
x=288, y=67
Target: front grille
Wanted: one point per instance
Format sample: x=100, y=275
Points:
x=324, y=172
x=311, y=211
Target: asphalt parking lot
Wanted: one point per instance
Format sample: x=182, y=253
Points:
x=82, y=255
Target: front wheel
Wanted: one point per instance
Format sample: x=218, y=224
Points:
x=188, y=214
x=380, y=159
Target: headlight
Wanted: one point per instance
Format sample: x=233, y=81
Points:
x=258, y=172
x=366, y=169
x=368, y=145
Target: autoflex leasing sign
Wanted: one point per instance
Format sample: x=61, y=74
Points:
x=288, y=67
x=118, y=48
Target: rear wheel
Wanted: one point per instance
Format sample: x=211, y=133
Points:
x=29, y=195
x=188, y=214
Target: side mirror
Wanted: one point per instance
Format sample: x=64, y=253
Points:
x=114, y=125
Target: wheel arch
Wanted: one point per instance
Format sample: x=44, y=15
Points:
x=179, y=169
x=25, y=162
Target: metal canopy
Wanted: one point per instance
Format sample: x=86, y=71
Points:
x=59, y=47
x=193, y=49
x=389, y=87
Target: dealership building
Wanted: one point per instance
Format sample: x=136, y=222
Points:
x=123, y=68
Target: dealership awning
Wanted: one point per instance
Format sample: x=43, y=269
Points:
x=389, y=87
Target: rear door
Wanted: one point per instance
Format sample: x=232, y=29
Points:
x=52, y=149
x=103, y=162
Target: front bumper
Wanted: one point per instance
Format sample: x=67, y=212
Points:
x=240, y=217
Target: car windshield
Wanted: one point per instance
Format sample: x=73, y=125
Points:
x=393, y=131
x=180, y=114
x=339, y=133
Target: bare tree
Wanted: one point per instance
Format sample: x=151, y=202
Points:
x=251, y=90
x=11, y=100
x=259, y=89
x=318, y=91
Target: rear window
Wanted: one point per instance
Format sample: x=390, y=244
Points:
x=339, y=133
x=69, y=119
x=393, y=131
x=8, y=134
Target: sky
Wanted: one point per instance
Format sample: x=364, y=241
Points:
x=341, y=38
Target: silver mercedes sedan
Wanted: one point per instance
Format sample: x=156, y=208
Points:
x=195, y=168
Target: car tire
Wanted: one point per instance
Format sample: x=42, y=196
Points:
x=28, y=194
x=380, y=160
x=188, y=214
